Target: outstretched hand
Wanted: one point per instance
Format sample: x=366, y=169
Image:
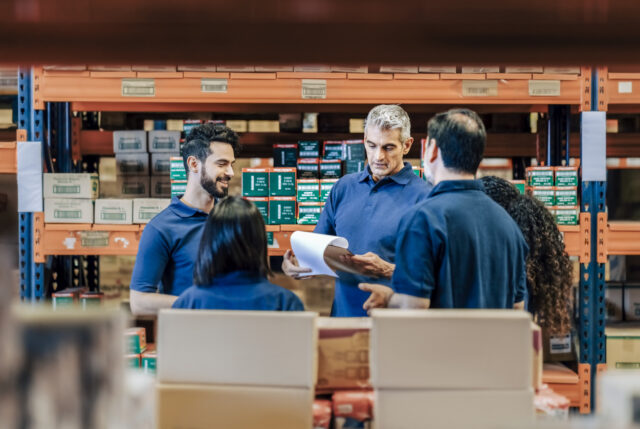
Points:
x=291, y=267
x=379, y=298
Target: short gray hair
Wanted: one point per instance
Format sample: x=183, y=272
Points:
x=389, y=117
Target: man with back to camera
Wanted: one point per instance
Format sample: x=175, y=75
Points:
x=458, y=248
x=169, y=243
x=366, y=208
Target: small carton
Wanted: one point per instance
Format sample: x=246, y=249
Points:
x=354, y=150
x=332, y=150
x=178, y=187
x=308, y=168
x=566, y=177
x=540, y=176
x=190, y=124
x=308, y=191
x=567, y=215
x=312, y=68
x=309, y=213
x=149, y=359
x=134, y=186
x=255, y=182
x=113, y=211
x=544, y=194
x=398, y=69
x=273, y=69
x=136, y=340
x=282, y=182
x=130, y=141
x=308, y=149
x=562, y=70
x=325, y=188
x=520, y=185
x=145, y=209
x=437, y=69
x=176, y=169
x=107, y=169
x=262, y=126
x=356, y=125
x=132, y=164
x=262, y=203
x=354, y=166
x=71, y=185
x=623, y=346
x=523, y=69
x=160, y=187
x=285, y=155
x=68, y=210
x=631, y=302
x=237, y=125
x=566, y=197
x=236, y=68
x=613, y=302
x=330, y=169
x=161, y=163
x=64, y=299
x=282, y=210
x=481, y=69
x=132, y=360
x=164, y=141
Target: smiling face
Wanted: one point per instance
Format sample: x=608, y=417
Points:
x=218, y=170
x=385, y=151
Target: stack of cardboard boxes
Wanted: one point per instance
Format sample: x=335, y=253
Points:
x=139, y=353
x=557, y=189
x=69, y=197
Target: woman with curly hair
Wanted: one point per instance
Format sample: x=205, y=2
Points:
x=549, y=270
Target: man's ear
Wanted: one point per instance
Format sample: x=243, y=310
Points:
x=434, y=152
x=193, y=164
x=406, y=146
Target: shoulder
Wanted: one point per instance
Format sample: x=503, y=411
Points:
x=283, y=292
x=421, y=188
x=347, y=181
x=186, y=297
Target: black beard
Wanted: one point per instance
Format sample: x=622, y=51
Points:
x=209, y=185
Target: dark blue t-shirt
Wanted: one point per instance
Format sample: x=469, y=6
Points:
x=239, y=290
x=462, y=250
x=367, y=214
x=168, y=249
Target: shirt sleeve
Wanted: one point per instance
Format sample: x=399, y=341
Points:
x=521, y=293
x=151, y=261
x=326, y=224
x=292, y=302
x=414, y=274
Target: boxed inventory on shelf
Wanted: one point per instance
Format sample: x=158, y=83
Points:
x=132, y=164
x=113, y=211
x=520, y=185
x=160, y=187
x=282, y=182
x=237, y=125
x=262, y=126
x=149, y=359
x=631, y=302
x=130, y=141
x=309, y=213
x=282, y=210
x=176, y=170
x=354, y=166
x=332, y=150
x=145, y=209
x=523, y=69
x=255, y=182
x=132, y=187
x=558, y=348
x=437, y=69
x=285, y=155
x=545, y=194
x=567, y=215
x=71, y=185
x=614, y=302
x=481, y=69
x=308, y=191
x=398, y=69
x=540, y=176
x=68, y=210
x=262, y=204
x=309, y=149
x=417, y=171
x=272, y=69
x=356, y=125
x=235, y=68
x=308, y=168
x=325, y=188
x=354, y=150
x=566, y=197
x=312, y=68
x=352, y=408
x=178, y=187
x=330, y=169
x=566, y=177
x=161, y=163
x=164, y=141
x=623, y=346
x=136, y=340
x=107, y=169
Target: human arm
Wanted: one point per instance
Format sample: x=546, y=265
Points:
x=291, y=267
x=149, y=303
x=384, y=297
x=519, y=305
x=371, y=265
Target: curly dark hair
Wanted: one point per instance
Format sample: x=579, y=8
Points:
x=549, y=270
x=199, y=138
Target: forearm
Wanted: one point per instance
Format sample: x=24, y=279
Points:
x=149, y=303
x=400, y=300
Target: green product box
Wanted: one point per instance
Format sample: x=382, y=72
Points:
x=566, y=197
x=567, y=215
x=255, y=182
x=282, y=210
x=520, y=185
x=353, y=166
x=544, y=194
x=262, y=203
x=330, y=169
x=540, y=176
x=269, y=238
x=282, y=182
x=417, y=171
x=285, y=155
x=309, y=213
x=566, y=177
x=62, y=301
x=308, y=168
x=354, y=150
x=178, y=188
x=132, y=360
x=176, y=169
x=333, y=150
x=309, y=149
x=149, y=361
x=308, y=191
x=325, y=188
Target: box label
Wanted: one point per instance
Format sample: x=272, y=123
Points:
x=566, y=178
x=544, y=88
x=479, y=88
x=309, y=215
x=567, y=216
x=546, y=196
x=314, y=89
x=567, y=197
x=282, y=212
x=560, y=344
x=255, y=184
x=309, y=149
x=94, y=238
x=540, y=177
x=138, y=88
x=216, y=86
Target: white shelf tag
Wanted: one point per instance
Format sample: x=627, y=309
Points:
x=314, y=89
x=479, y=88
x=138, y=88
x=544, y=88
x=219, y=86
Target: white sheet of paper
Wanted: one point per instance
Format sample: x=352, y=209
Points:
x=309, y=248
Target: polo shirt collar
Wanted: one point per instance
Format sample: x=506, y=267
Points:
x=456, y=185
x=237, y=277
x=402, y=177
x=183, y=210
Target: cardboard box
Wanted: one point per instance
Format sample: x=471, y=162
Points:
x=453, y=409
x=310, y=122
x=481, y=69
x=558, y=348
x=255, y=182
x=567, y=215
x=544, y=194
x=149, y=359
x=465, y=349
x=308, y=168
x=164, y=141
x=540, y=176
x=351, y=167
x=238, y=125
x=332, y=150
x=107, y=169
x=312, y=68
x=178, y=188
x=437, y=69
x=276, y=349
x=261, y=126
x=190, y=124
x=154, y=68
x=330, y=169
x=160, y=187
x=71, y=185
x=161, y=164
x=325, y=188
x=273, y=69
x=631, y=302
x=236, y=68
x=192, y=68
x=285, y=155
x=308, y=149
x=309, y=213
x=562, y=70
x=145, y=209
x=233, y=407
x=614, y=302
x=133, y=187
x=398, y=69
x=520, y=185
x=623, y=346
x=130, y=141
x=135, y=340
x=262, y=203
x=308, y=191
x=132, y=164
x=618, y=394
x=68, y=210
x=566, y=177
x=113, y=211
x=282, y=182
x=566, y=197
x=356, y=125
x=132, y=360
x=343, y=353
x=417, y=171
x=109, y=67
x=175, y=125
x=282, y=210
x=354, y=150
x=523, y=69
x=176, y=168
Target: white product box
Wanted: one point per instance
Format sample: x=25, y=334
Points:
x=238, y=125
x=350, y=69
x=107, y=169
x=631, y=302
x=437, y=69
x=312, y=68
x=71, y=185
x=523, y=69
x=68, y=210
x=236, y=68
x=261, y=348
x=114, y=211
x=562, y=70
x=145, y=209
x=617, y=398
x=130, y=141
x=481, y=69
x=197, y=68
x=273, y=69
x=132, y=187
x=164, y=141
x=161, y=163
x=453, y=409
x=160, y=187
x=132, y=164
x=398, y=69
x=451, y=349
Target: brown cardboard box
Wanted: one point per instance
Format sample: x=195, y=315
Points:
x=192, y=406
x=343, y=353
x=558, y=348
x=623, y=346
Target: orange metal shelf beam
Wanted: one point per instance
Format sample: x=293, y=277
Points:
x=8, y=160
x=617, y=238
x=577, y=238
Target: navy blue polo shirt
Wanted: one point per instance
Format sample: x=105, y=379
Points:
x=462, y=250
x=168, y=249
x=239, y=290
x=367, y=214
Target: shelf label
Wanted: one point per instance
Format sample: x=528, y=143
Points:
x=138, y=88
x=479, y=88
x=633, y=162
x=218, y=86
x=94, y=238
x=314, y=89
x=625, y=87
x=544, y=88
x=613, y=162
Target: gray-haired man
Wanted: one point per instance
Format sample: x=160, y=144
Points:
x=366, y=208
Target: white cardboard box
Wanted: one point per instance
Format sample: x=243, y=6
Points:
x=202, y=406
x=523, y=69
x=451, y=349
x=132, y=164
x=160, y=163
x=68, y=210
x=453, y=409
x=312, y=68
x=164, y=141
x=481, y=69
x=562, y=70
x=631, y=303
x=251, y=348
x=113, y=211
x=617, y=398
x=130, y=141
x=71, y=185
x=128, y=187
x=398, y=69
x=160, y=187
x=350, y=69
x=273, y=69
x=145, y=209
x=437, y=69
x=107, y=169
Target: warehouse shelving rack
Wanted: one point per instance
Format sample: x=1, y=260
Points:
x=201, y=91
